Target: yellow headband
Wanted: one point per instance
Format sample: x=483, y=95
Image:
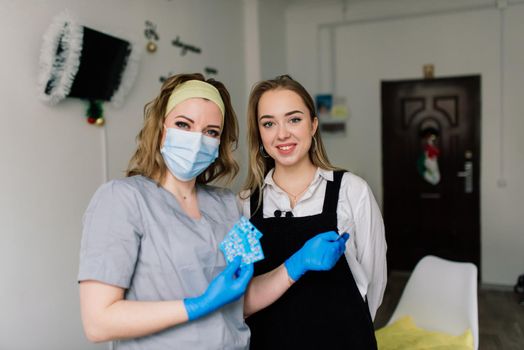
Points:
x=195, y=88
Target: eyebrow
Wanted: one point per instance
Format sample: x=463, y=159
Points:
x=192, y=121
x=186, y=118
x=293, y=112
x=287, y=114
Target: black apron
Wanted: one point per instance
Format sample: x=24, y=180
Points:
x=323, y=309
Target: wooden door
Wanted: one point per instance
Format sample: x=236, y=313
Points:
x=431, y=154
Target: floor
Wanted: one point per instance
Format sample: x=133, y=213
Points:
x=501, y=316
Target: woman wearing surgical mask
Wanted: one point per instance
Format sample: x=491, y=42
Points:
x=151, y=273
x=292, y=193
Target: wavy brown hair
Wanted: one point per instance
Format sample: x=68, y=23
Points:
x=259, y=166
x=147, y=160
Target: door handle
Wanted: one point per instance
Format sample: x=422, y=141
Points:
x=467, y=174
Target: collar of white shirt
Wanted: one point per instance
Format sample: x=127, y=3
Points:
x=320, y=173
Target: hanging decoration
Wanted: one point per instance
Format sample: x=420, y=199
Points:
x=210, y=71
x=185, y=47
x=427, y=163
x=80, y=62
x=152, y=36
x=95, y=113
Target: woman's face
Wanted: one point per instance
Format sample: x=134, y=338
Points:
x=285, y=127
x=197, y=115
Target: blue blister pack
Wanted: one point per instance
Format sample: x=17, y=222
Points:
x=244, y=240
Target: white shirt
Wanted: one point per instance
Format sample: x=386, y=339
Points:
x=357, y=213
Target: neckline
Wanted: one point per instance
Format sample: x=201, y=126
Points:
x=178, y=206
x=331, y=197
x=294, y=198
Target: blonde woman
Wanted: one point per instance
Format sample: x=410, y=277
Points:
x=291, y=194
x=151, y=275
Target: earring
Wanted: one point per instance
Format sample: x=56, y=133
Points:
x=263, y=152
x=314, y=145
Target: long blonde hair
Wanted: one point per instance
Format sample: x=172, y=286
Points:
x=259, y=165
x=148, y=161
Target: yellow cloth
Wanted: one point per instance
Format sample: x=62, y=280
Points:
x=403, y=334
x=195, y=88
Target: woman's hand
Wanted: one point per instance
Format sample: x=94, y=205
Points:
x=319, y=253
x=225, y=288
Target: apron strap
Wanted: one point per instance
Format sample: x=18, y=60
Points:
x=332, y=191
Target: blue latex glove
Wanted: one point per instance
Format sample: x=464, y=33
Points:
x=319, y=253
x=225, y=288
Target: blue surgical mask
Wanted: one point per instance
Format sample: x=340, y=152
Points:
x=187, y=154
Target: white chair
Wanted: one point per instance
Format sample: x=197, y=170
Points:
x=441, y=295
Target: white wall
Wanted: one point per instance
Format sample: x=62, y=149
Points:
x=52, y=160
x=271, y=21
x=349, y=50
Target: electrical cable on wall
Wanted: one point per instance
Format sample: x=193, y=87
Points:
x=501, y=5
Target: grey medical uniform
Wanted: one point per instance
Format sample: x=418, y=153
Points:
x=137, y=237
